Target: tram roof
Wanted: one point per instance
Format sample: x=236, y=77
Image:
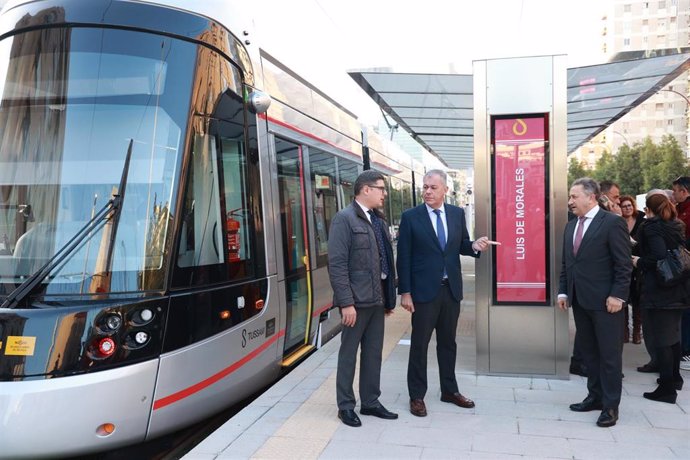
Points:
x=436, y=109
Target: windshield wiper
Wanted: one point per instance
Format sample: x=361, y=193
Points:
x=111, y=211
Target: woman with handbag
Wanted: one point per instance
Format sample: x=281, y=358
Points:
x=661, y=232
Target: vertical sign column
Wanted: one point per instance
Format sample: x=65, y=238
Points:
x=520, y=209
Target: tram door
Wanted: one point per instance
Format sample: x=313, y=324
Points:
x=293, y=217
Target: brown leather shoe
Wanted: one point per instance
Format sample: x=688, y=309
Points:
x=417, y=407
x=637, y=337
x=458, y=400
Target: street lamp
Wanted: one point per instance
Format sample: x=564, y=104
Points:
x=624, y=138
x=676, y=92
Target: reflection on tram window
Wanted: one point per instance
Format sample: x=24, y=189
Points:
x=217, y=238
x=322, y=167
x=387, y=203
x=347, y=172
x=396, y=199
x=406, y=195
x=62, y=155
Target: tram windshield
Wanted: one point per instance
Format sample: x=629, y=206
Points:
x=72, y=100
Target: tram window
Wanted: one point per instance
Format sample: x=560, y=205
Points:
x=396, y=200
x=406, y=195
x=347, y=174
x=322, y=166
x=387, y=201
x=218, y=227
x=201, y=239
x=73, y=100
x=238, y=224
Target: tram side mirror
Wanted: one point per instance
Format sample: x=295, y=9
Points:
x=259, y=101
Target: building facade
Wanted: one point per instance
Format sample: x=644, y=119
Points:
x=651, y=27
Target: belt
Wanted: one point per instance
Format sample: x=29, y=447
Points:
x=444, y=282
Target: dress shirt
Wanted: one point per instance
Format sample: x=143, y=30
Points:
x=432, y=216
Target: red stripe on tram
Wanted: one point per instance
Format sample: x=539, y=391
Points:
x=180, y=395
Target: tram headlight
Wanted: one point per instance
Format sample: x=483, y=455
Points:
x=141, y=337
x=141, y=317
x=113, y=322
x=146, y=315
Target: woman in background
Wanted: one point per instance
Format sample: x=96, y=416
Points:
x=633, y=219
x=660, y=232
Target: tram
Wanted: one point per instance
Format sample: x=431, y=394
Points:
x=166, y=189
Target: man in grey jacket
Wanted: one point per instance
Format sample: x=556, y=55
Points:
x=362, y=274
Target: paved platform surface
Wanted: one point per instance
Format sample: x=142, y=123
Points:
x=513, y=418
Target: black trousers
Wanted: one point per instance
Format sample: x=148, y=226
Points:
x=440, y=315
x=601, y=343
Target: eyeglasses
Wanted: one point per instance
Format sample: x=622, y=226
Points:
x=626, y=206
x=380, y=187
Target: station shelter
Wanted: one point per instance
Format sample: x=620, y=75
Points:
x=513, y=122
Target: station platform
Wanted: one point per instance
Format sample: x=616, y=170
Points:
x=514, y=417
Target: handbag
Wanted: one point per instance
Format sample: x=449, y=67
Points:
x=674, y=268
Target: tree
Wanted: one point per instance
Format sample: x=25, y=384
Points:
x=627, y=165
x=575, y=170
x=605, y=168
x=673, y=162
x=650, y=158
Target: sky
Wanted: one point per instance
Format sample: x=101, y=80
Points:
x=322, y=39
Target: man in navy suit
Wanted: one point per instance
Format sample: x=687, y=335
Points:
x=595, y=280
x=432, y=237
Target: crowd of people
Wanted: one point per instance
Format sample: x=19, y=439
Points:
x=608, y=279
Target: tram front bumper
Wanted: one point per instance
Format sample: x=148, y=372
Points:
x=62, y=416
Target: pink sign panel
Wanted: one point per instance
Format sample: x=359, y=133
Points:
x=520, y=209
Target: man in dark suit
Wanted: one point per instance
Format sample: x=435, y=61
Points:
x=595, y=280
x=362, y=274
x=432, y=237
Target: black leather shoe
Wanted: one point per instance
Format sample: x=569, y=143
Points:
x=608, y=418
x=380, y=412
x=588, y=404
x=648, y=368
x=349, y=417
x=677, y=383
x=578, y=369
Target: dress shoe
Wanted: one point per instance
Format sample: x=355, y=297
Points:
x=578, y=369
x=417, y=407
x=664, y=393
x=608, y=418
x=349, y=417
x=588, y=404
x=458, y=400
x=648, y=368
x=677, y=383
x=380, y=412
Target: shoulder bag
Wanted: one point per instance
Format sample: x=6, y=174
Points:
x=674, y=268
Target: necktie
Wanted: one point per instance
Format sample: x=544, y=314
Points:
x=378, y=231
x=579, y=233
x=440, y=231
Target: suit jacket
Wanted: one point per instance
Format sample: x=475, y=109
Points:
x=420, y=259
x=354, y=266
x=603, y=264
